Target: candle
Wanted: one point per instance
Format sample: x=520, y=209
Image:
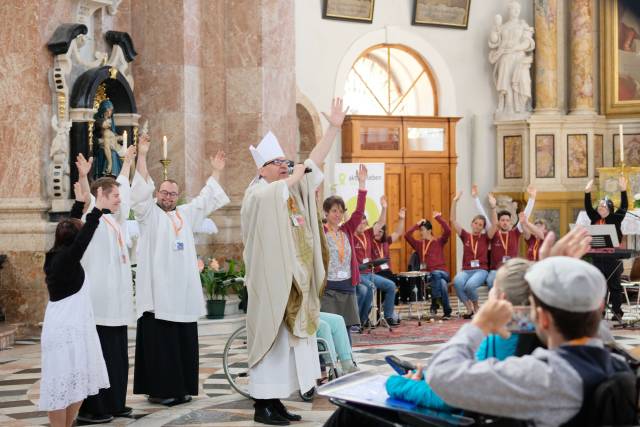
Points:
x=124, y=140
x=621, y=144
x=164, y=147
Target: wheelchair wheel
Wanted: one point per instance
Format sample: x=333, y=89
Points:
x=235, y=361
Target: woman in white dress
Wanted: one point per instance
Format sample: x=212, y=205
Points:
x=72, y=363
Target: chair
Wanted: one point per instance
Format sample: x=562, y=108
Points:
x=631, y=281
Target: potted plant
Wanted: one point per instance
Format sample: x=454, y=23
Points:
x=216, y=283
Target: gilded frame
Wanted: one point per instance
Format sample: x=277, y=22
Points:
x=432, y=21
x=328, y=13
x=610, y=81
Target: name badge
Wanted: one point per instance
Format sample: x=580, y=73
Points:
x=384, y=266
x=342, y=275
x=297, y=220
x=365, y=261
x=423, y=266
x=178, y=245
x=475, y=263
x=505, y=258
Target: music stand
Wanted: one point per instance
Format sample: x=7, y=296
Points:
x=371, y=265
x=602, y=235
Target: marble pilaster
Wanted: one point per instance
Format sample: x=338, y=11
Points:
x=546, y=55
x=581, y=30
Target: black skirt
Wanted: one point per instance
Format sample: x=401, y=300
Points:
x=109, y=401
x=166, y=363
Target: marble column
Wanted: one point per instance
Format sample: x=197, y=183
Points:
x=581, y=30
x=546, y=56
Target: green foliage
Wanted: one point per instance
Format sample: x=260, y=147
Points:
x=217, y=283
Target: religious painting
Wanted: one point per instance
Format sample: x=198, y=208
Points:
x=442, y=13
x=545, y=157
x=349, y=10
x=512, y=146
x=551, y=217
x=620, y=41
x=598, y=152
x=631, y=150
x=577, y=156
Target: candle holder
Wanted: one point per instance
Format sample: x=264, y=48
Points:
x=165, y=167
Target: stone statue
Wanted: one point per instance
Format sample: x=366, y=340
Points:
x=107, y=159
x=59, y=155
x=512, y=47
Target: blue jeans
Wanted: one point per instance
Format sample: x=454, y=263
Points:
x=364, y=293
x=490, y=278
x=467, y=281
x=440, y=289
x=332, y=329
x=388, y=287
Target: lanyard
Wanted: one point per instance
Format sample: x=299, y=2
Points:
x=363, y=242
x=115, y=230
x=176, y=228
x=341, y=247
x=380, y=248
x=474, y=248
x=601, y=221
x=536, y=245
x=425, y=250
x=505, y=245
x=578, y=341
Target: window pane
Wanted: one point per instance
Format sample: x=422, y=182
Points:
x=379, y=138
x=426, y=139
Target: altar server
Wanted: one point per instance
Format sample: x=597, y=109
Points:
x=169, y=298
x=106, y=263
x=284, y=273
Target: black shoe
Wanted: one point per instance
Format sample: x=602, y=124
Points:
x=124, y=412
x=467, y=316
x=268, y=415
x=433, y=310
x=161, y=400
x=283, y=412
x=392, y=322
x=180, y=400
x=446, y=317
x=94, y=419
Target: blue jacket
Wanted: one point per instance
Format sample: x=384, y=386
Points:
x=420, y=393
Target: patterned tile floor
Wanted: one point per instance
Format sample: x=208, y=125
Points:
x=216, y=405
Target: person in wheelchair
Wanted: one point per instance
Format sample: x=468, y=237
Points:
x=430, y=249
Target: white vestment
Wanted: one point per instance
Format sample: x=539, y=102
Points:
x=282, y=320
x=167, y=278
x=106, y=263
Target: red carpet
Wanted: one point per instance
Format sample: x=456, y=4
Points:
x=409, y=333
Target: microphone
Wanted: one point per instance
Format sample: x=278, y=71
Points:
x=306, y=170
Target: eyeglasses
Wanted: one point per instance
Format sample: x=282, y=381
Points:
x=165, y=193
x=279, y=162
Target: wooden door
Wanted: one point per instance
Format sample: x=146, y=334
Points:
x=394, y=190
x=427, y=189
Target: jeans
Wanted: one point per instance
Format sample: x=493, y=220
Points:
x=466, y=282
x=490, y=278
x=388, y=287
x=440, y=289
x=332, y=329
x=364, y=293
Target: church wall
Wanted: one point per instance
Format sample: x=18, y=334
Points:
x=322, y=45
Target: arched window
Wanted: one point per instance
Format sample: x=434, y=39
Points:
x=391, y=80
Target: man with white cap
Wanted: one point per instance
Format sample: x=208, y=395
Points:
x=551, y=386
x=284, y=272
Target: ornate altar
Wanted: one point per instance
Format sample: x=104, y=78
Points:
x=80, y=79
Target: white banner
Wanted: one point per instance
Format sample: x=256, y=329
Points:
x=346, y=186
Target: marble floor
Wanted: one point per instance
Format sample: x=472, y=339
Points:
x=216, y=404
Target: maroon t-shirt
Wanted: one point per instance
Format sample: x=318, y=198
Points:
x=474, y=248
x=362, y=247
x=533, y=247
x=431, y=252
x=504, y=244
x=380, y=249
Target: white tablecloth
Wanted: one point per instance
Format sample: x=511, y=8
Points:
x=630, y=224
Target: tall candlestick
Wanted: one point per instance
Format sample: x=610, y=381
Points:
x=124, y=140
x=620, y=129
x=164, y=147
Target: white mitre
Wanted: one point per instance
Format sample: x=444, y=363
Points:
x=267, y=150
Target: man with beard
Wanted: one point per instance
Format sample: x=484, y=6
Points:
x=169, y=298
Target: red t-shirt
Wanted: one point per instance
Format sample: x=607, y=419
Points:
x=431, y=252
x=362, y=247
x=533, y=247
x=504, y=244
x=474, y=248
x=380, y=250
